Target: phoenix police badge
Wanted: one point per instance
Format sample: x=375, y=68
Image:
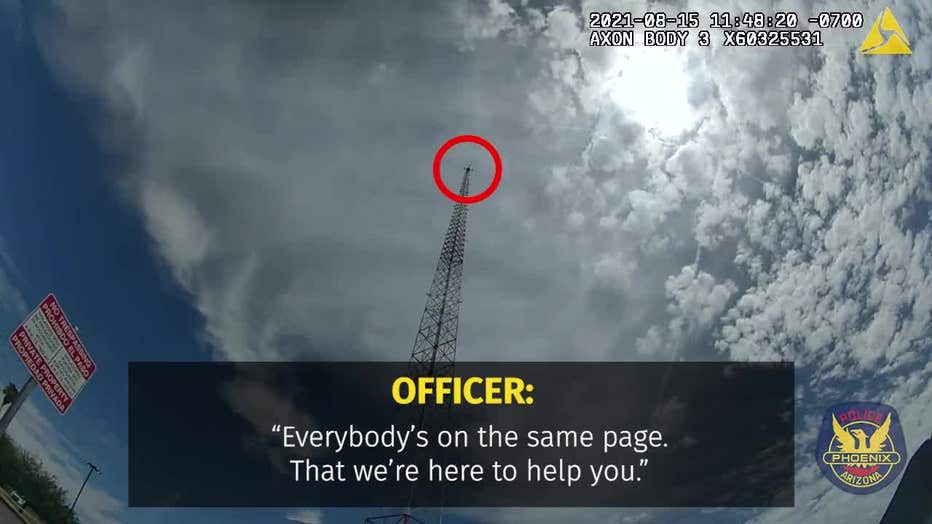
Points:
x=861, y=446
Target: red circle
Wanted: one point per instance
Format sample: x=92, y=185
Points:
x=495, y=179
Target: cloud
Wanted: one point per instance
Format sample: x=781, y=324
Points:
x=182, y=235
x=807, y=216
x=494, y=18
x=304, y=222
x=696, y=303
x=305, y=516
x=263, y=404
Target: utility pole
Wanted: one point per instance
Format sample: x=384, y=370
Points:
x=92, y=469
x=18, y=401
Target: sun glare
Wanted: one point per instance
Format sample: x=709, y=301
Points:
x=651, y=86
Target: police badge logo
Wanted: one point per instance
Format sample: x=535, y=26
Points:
x=861, y=446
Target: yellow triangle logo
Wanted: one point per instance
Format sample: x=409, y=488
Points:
x=886, y=37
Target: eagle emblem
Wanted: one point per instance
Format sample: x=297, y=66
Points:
x=861, y=446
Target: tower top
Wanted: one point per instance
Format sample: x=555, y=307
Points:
x=464, y=185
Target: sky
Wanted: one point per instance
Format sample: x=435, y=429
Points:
x=252, y=182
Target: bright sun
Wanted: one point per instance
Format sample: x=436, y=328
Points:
x=651, y=86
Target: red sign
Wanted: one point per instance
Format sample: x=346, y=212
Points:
x=50, y=348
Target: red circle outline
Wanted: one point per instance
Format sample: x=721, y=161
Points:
x=495, y=179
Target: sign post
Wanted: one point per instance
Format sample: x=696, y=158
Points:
x=18, y=400
x=57, y=360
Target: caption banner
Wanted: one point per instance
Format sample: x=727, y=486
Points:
x=494, y=434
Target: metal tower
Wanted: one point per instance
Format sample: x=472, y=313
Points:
x=434, y=352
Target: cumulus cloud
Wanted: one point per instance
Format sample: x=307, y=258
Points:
x=487, y=21
x=805, y=201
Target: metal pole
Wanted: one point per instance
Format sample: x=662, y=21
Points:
x=92, y=469
x=17, y=403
